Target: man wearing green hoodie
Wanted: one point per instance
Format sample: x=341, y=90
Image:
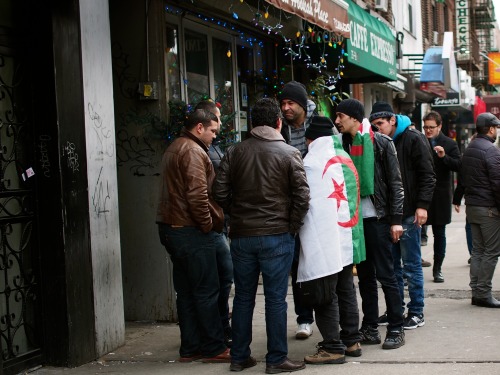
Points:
x=419, y=180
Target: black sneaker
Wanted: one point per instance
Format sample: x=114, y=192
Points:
x=382, y=320
x=394, y=339
x=413, y=321
x=228, y=336
x=370, y=336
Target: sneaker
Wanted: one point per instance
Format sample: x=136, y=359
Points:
x=240, y=366
x=370, y=336
x=323, y=357
x=223, y=357
x=382, y=320
x=426, y=263
x=228, y=336
x=413, y=321
x=353, y=350
x=190, y=358
x=394, y=339
x=304, y=330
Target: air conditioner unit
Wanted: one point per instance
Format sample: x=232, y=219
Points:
x=381, y=5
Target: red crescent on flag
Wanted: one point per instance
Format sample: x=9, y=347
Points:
x=347, y=162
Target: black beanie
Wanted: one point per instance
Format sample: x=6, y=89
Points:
x=381, y=109
x=295, y=91
x=319, y=126
x=353, y=108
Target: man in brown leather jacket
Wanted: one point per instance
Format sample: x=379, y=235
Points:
x=190, y=228
x=262, y=184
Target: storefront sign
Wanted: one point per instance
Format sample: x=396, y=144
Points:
x=463, y=35
x=494, y=68
x=451, y=99
x=372, y=45
x=330, y=15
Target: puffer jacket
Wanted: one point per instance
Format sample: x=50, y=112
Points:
x=185, y=186
x=389, y=194
x=262, y=184
x=481, y=173
x=417, y=170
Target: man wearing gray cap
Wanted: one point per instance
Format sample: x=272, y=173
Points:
x=481, y=179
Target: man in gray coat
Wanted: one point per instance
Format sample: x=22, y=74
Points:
x=481, y=179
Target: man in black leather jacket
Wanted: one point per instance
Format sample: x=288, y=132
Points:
x=481, y=178
x=382, y=214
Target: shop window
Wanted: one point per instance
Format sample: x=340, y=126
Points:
x=173, y=64
x=197, y=67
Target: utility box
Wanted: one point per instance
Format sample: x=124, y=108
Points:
x=148, y=91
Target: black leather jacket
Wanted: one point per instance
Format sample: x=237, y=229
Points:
x=262, y=184
x=389, y=194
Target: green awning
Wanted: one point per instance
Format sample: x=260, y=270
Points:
x=372, y=46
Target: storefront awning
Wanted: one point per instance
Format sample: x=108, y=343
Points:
x=371, y=48
x=330, y=15
x=439, y=69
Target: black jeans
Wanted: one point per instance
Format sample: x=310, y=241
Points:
x=348, y=307
x=304, y=314
x=379, y=265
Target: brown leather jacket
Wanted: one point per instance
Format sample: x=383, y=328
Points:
x=185, y=186
x=262, y=183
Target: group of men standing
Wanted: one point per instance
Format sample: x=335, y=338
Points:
x=376, y=180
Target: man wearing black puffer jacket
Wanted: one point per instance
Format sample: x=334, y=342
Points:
x=481, y=178
x=419, y=180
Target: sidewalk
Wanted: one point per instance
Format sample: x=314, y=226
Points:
x=457, y=337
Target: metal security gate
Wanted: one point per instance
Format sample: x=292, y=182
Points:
x=20, y=315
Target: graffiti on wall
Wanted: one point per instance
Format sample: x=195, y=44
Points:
x=100, y=196
x=127, y=82
x=139, y=143
x=69, y=152
x=43, y=146
x=102, y=131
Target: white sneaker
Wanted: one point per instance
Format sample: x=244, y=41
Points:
x=304, y=331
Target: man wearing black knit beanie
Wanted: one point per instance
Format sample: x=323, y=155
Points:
x=419, y=180
x=294, y=107
x=382, y=209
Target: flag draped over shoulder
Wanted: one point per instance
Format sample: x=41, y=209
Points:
x=332, y=235
x=364, y=159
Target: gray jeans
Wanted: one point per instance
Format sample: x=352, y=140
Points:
x=485, y=226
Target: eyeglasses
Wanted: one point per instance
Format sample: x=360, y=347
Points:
x=430, y=127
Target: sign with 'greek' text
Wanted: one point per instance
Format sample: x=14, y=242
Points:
x=330, y=15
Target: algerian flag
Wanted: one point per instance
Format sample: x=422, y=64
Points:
x=364, y=159
x=332, y=234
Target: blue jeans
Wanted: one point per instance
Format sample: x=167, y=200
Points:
x=439, y=233
x=407, y=251
x=225, y=271
x=196, y=282
x=272, y=256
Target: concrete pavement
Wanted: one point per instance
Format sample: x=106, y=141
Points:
x=457, y=337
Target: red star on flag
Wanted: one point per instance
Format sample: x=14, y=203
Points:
x=338, y=193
